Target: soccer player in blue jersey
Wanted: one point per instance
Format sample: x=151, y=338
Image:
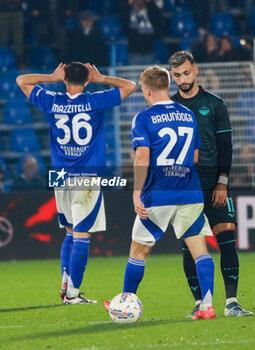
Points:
x=167, y=187
x=76, y=142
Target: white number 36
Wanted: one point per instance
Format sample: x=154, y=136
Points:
x=79, y=121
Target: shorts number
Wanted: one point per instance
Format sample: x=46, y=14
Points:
x=162, y=158
x=79, y=121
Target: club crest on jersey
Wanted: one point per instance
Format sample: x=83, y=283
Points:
x=204, y=110
x=57, y=178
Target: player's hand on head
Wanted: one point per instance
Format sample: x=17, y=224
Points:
x=59, y=73
x=139, y=208
x=94, y=74
x=219, y=196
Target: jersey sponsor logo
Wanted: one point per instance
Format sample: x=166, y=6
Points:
x=138, y=139
x=175, y=170
x=204, y=110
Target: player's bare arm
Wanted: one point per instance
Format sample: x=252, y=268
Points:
x=127, y=87
x=196, y=154
x=28, y=81
x=220, y=194
x=141, y=164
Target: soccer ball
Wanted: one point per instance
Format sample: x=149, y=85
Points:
x=125, y=308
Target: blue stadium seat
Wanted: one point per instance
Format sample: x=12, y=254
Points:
x=24, y=140
x=108, y=116
x=186, y=44
x=161, y=52
x=245, y=103
x=170, y=5
x=252, y=23
x=131, y=106
x=103, y=7
x=110, y=159
x=3, y=165
x=236, y=42
x=71, y=23
x=174, y=6
x=111, y=28
x=42, y=168
x=222, y=23
x=6, y=182
x=121, y=52
x=249, y=131
x=183, y=25
x=56, y=87
x=17, y=112
x=111, y=168
x=7, y=59
x=9, y=88
x=42, y=57
x=109, y=136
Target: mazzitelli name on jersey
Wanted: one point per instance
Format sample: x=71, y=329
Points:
x=71, y=109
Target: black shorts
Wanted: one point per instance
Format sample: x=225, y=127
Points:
x=219, y=215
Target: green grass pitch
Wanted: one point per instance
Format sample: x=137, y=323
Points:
x=32, y=316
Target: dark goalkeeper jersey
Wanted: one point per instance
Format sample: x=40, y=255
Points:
x=212, y=118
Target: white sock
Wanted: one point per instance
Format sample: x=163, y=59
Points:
x=198, y=302
x=231, y=300
x=65, y=278
x=71, y=291
x=204, y=306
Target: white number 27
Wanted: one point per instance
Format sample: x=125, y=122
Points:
x=162, y=158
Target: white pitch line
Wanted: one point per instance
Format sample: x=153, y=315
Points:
x=149, y=346
x=10, y=326
x=101, y=322
x=197, y=344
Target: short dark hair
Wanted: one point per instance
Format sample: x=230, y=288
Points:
x=76, y=73
x=179, y=57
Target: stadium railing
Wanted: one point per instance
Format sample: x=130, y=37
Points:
x=233, y=82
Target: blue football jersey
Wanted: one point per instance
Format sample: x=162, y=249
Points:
x=77, y=141
x=170, y=131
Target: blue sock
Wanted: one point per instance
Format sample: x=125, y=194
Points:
x=65, y=254
x=133, y=275
x=205, y=272
x=78, y=261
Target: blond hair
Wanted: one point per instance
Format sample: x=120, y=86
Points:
x=156, y=78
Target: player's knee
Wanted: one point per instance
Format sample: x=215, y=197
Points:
x=185, y=251
x=222, y=227
x=197, y=246
x=81, y=235
x=139, y=251
x=226, y=240
x=69, y=229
